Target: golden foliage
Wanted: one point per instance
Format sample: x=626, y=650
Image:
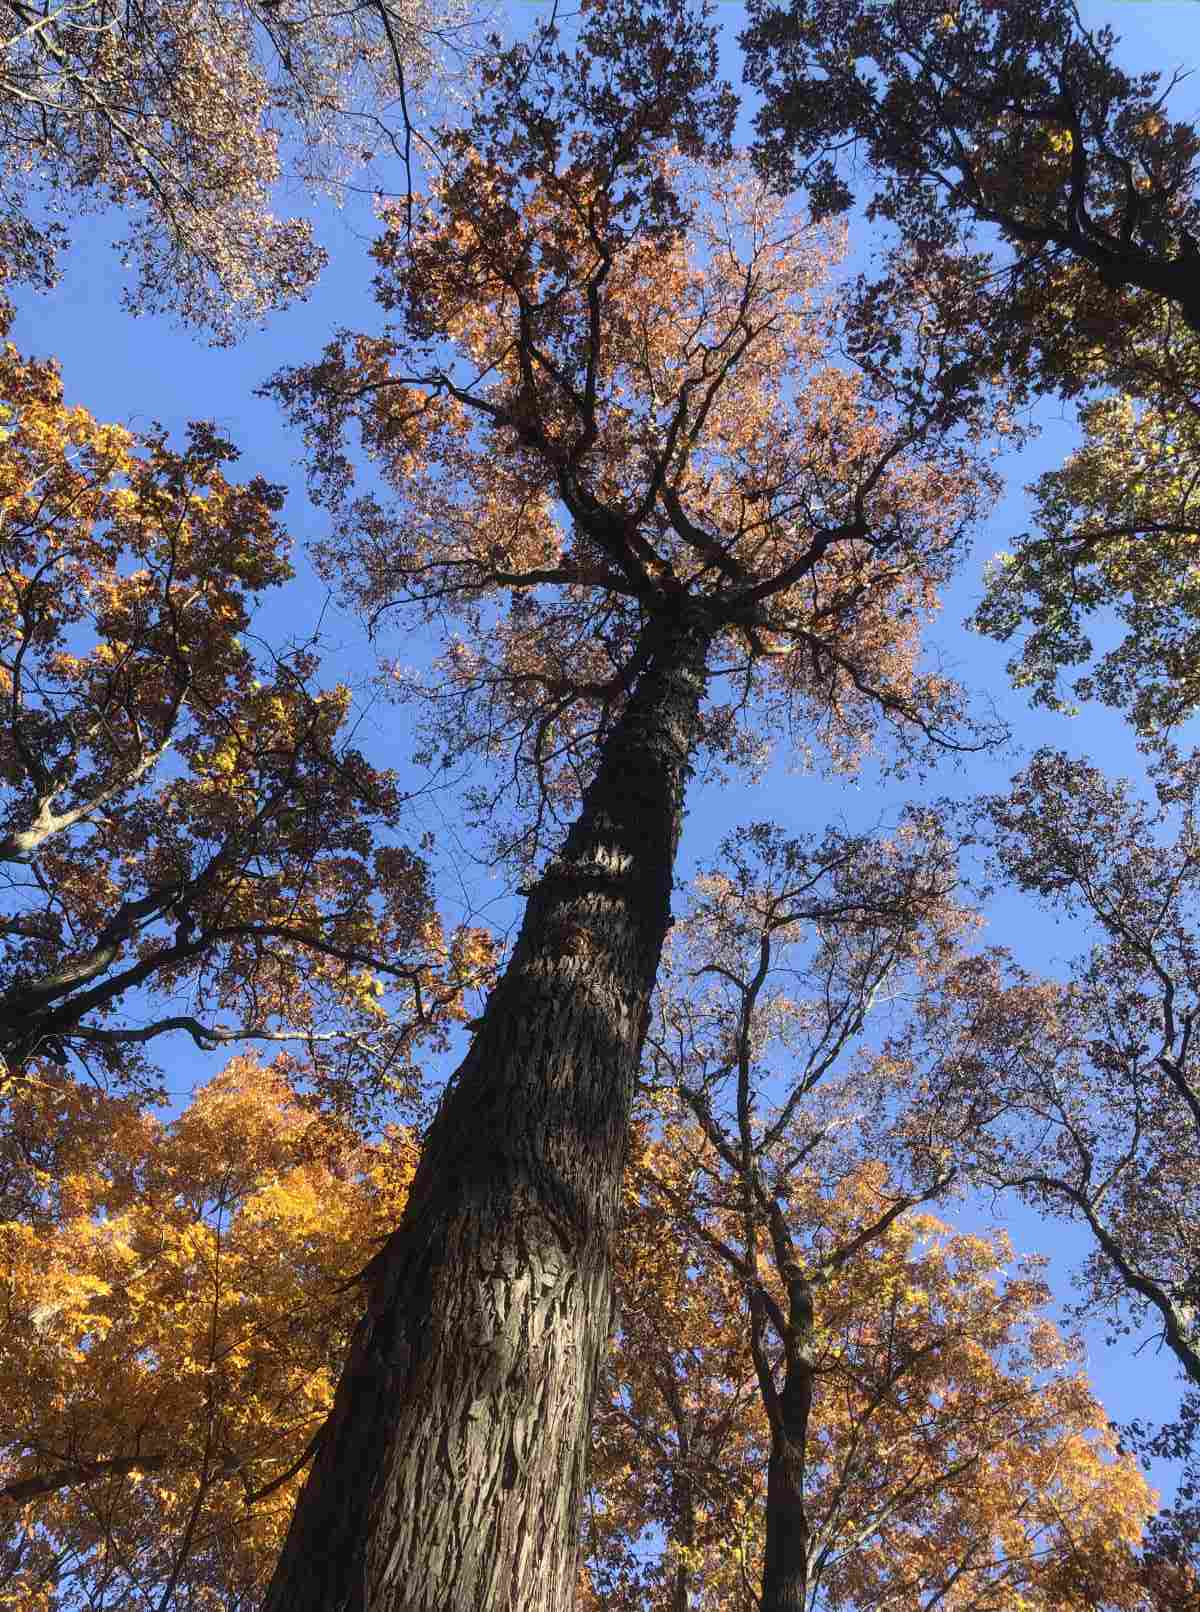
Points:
x=176, y=1307
x=955, y=1446
x=179, y=814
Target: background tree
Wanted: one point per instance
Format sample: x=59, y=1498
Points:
x=788, y=947
x=1116, y=528
x=187, y=841
x=185, y=114
x=177, y=1300
x=613, y=447
x=1083, y=1095
x=955, y=1456
x=1047, y=200
x=1018, y=120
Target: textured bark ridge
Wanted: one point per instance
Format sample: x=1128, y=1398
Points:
x=785, y=1558
x=450, y=1474
x=785, y=1569
x=685, y=1535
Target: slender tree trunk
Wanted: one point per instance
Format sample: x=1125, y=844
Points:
x=785, y=1563
x=681, y=1597
x=685, y=1535
x=450, y=1475
x=785, y=1558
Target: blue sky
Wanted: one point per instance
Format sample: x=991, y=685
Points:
x=145, y=370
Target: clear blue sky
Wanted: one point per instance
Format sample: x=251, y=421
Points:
x=146, y=370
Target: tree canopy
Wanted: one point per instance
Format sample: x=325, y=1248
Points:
x=639, y=405
x=675, y=487
x=1018, y=118
x=184, y=823
x=185, y=115
x=1047, y=200
x=178, y=1298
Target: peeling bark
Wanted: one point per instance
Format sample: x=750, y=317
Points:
x=450, y=1475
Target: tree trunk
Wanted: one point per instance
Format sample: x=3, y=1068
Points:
x=450, y=1474
x=785, y=1560
x=785, y=1557
x=685, y=1536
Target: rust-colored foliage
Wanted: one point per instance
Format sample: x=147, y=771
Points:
x=1047, y=201
x=185, y=114
x=637, y=402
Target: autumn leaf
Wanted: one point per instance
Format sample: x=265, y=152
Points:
x=177, y=813
x=185, y=115
x=178, y=1298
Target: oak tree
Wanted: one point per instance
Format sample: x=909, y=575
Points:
x=620, y=466
x=1015, y=156
x=1082, y=1094
x=793, y=954
x=955, y=1456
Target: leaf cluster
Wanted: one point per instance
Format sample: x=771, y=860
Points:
x=186, y=114
x=177, y=1301
x=182, y=814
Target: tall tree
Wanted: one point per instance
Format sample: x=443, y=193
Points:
x=1084, y=1095
x=185, y=114
x=761, y=1042
x=188, y=844
x=608, y=400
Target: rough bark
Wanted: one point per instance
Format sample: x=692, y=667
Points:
x=685, y=1536
x=785, y=1558
x=450, y=1474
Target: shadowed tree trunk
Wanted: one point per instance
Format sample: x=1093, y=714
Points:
x=450, y=1473
x=785, y=1558
x=681, y=1597
x=685, y=1517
